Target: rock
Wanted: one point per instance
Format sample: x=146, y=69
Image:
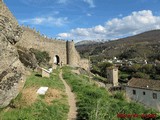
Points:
x=12, y=72
x=27, y=58
x=42, y=90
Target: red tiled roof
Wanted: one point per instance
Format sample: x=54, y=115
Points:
x=143, y=83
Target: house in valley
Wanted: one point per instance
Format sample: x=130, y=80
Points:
x=144, y=91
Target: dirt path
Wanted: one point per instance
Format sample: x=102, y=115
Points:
x=71, y=100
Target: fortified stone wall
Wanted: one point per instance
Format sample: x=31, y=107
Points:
x=32, y=39
x=64, y=49
x=84, y=63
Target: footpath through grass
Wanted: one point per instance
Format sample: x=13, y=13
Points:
x=30, y=106
x=96, y=103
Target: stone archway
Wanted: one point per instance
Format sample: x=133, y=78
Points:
x=56, y=60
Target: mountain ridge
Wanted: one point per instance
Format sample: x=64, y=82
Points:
x=145, y=44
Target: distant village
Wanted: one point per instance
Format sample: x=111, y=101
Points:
x=129, y=62
x=144, y=91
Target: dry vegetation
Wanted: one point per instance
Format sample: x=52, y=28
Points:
x=30, y=106
x=51, y=95
x=29, y=96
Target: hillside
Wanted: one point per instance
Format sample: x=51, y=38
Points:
x=86, y=42
x=28, y=105
x=144, y=45
x=93, y=102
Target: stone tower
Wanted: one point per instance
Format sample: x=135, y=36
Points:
x=70, y=53
x=112, y=75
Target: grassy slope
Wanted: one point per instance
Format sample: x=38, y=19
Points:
x=39, y=109
x=96, y=103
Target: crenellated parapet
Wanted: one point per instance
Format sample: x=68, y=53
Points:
x=65, y=50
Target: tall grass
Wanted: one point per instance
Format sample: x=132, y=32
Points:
x=96, y=103
x=39, y=110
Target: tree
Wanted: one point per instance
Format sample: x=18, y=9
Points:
x=141, y=75
x=148, y=69
x=128, y=54
x=134, y=68
x=103, y=68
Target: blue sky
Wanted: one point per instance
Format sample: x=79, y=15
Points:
x=87, y=19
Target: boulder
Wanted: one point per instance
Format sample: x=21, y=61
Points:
x=12, y=71
x=27, y=58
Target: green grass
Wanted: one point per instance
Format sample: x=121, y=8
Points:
x=100, y=79
x=39, y=110
x=96, y=103
x=53, y=82
x=123, y=75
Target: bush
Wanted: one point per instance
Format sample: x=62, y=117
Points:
x=119, y=95
x=134, y=68
x=103, y=68
x=141, y=75
x=148, y=69
x=42, y=57
x=124, y=75
x=128, y=54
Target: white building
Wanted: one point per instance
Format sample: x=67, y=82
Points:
x=144, y=91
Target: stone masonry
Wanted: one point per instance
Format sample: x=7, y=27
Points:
x=65, y=50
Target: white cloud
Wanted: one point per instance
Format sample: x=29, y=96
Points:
x=120, y=15
x=89, y=15
x=45, y=21
x=99, y=29
x=132, y=24
x=90, y=2
x=135, y=23
x=64, y=35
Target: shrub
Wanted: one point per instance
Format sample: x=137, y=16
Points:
x=103, y=68
x=141, y=75
x=42, y=57
x=148, y=69
x=128, y=54
x=119, y=95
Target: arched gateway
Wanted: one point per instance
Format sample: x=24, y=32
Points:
x=56, y=60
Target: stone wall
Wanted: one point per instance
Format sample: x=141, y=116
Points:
x=84, y=63
x=64, y=49
x=32, y=39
